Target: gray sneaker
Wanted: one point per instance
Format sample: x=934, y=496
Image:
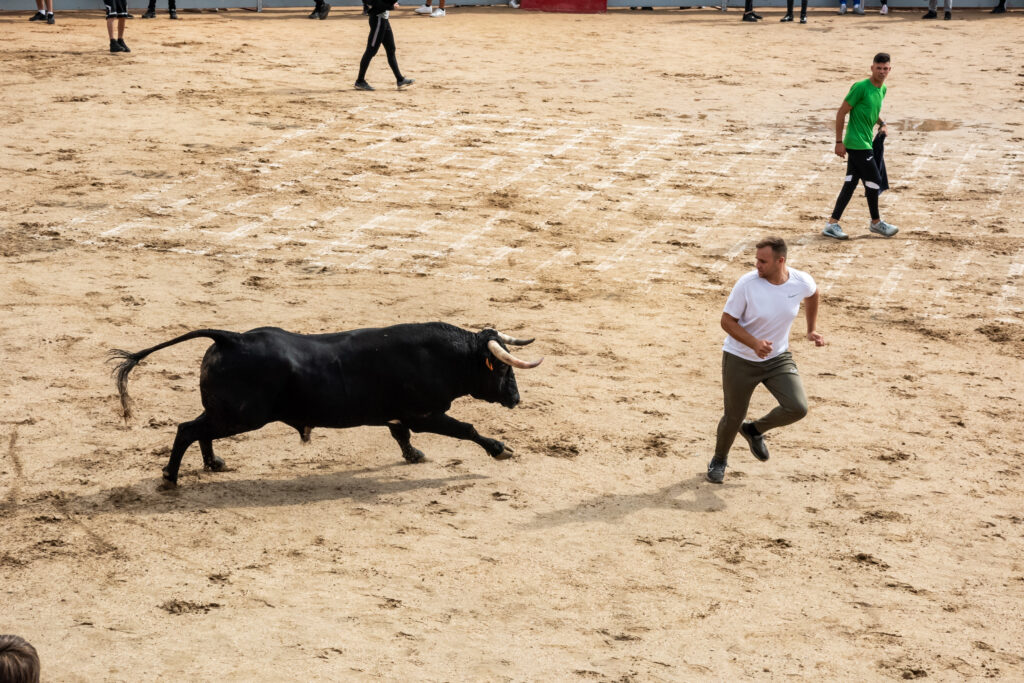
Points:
x=835, y=231
x=858, y=9
x=884, y=229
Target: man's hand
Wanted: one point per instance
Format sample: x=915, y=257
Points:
x=840, y=150
x=883, y=129
x=762, y=348
x=816, y=338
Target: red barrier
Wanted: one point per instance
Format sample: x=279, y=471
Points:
x=577, y=6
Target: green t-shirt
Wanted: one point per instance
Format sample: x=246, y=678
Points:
x=866, y=101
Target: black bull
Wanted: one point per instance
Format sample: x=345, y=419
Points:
x=404, y=376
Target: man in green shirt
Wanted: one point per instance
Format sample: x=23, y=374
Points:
x=863, y=103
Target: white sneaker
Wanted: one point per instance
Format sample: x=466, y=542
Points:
x=514, y=4
x=423, y=9
x=834, y=231
x=884, y=229
x=437, y=13
x=884, y=10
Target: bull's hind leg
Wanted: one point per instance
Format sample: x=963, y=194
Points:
x=402, y=436
x=203, y=430
x=445, y=425
x=210, y=461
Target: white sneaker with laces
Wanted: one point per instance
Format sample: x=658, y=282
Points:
x=884, y=229
x=884, y=10
x=423, y=9
x=437, y=13
x=834, y=231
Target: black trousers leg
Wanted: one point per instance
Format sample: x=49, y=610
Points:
x=372, y=45
x=389, y=49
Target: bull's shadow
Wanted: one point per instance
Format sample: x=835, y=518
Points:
x=360, y=485
x=612, y=508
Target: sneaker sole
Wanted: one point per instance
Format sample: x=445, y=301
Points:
x=835, y=237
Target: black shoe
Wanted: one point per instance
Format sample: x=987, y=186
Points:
x=115, y=46
x=999, y=9
x=929, y=15
x=324, y=9
x=363, y=85
x=174, y=14
x=315, y=14
x=788, y=17
x=716, y=472
x=150, y=14
x=803, y=18
x=947, y=16
x=124, y=48
x=50, y=19
x=749, y=16
x=405, y=82
x=755, y=441
x=757, y=16
x=38, y=16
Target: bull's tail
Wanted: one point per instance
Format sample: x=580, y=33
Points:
x=129, y=360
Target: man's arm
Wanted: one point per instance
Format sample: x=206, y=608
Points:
x=762, y=347
x=811, y=311
x=844, y=109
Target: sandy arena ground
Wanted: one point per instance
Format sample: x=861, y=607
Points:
x=597, y=182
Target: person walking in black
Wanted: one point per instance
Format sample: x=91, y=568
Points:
x=380, y=34
x=748, y=12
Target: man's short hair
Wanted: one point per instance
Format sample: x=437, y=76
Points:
x=882, y=58
x=19, y=662
x=777, y=244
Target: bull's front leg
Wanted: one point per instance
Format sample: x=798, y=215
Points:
x=440, y=423
x=402, y=436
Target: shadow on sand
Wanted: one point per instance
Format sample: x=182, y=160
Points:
x=700, y=496
x=363, y=485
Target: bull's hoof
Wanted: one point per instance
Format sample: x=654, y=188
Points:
x=505, y=453
x=413, y=455
x=169, y=481
x=215, y=465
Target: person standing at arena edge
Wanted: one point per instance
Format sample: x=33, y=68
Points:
x=758, y=316
x=426, y=8
x=172, y=8
x=44, y=12
x=863, y=103
x=116, y=9
x=380, y=33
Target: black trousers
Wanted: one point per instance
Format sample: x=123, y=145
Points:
x=860, y=165
x=803, y=7
x=152, y=5
x=380, y=34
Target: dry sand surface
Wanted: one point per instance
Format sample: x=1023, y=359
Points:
x=597, y=182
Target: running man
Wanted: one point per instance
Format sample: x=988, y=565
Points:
x=758, y=316
x=380, y=34
x=863, y=103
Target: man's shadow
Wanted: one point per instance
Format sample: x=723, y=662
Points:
x=691, y=495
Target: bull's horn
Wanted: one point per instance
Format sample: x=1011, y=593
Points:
x=512, y=341
x=508, y=359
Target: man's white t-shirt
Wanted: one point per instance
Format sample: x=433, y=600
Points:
x=766, y=311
